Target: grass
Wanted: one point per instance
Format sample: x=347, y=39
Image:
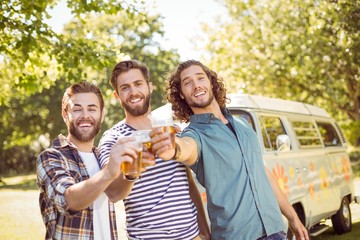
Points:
x=331, y=235
x=25, y=182
x=20, y=216
x=356, y=169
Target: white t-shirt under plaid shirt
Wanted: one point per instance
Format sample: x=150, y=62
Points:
x=159, y=205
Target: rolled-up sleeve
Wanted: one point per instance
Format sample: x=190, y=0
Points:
x=197, y=167
x=54, y=177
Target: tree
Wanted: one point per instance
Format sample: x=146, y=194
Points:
x=301, y=50
x=38, y=64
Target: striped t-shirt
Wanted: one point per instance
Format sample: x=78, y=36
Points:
x=159, y=205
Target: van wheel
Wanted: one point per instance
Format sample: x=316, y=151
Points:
x=342, y=219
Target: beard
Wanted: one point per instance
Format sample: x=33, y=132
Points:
x=83, y=136
x=194, y=104
x=138, y=111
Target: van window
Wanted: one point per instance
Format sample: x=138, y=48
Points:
x=271, y=127
x=328, y=134
x=245, y=115
x=306, y=134
x=341, y=133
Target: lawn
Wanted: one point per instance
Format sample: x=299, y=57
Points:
x=331, y=235
x=20, y=216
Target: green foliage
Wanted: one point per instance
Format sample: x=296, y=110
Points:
x=356, y=170
x=352, y=131
x=300, y=50
x=17, y=159
x=355, y=156
x=37, y=65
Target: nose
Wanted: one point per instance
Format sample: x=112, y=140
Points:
x=131, y=90
x=196, y=84
x=85, y=114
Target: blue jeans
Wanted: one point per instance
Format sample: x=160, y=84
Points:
x=276, y=236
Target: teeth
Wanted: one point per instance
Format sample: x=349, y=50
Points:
x=85, y=125
x=135, y=100
x=200, y=93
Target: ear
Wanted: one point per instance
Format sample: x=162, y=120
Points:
x=103, y=113
x=151, y=87
x=64, y=115
x=182, y=96
x=115, y=94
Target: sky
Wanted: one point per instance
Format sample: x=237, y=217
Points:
x=182, y=19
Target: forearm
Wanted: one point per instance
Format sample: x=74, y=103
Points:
x=162, y=145
x=286, y=209
x=188, y=151
x=202, y=222
x=119, y=189
x=196, y=198
x=81, y=195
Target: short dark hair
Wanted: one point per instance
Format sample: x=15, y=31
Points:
x=125, y=66
x=181, y=109
x=81, y=87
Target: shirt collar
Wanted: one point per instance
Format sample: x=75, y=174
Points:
x=62, y=142
x=207, y=117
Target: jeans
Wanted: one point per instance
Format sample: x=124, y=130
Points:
x=276, y=236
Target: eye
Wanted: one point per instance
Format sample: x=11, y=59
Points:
x=138, y=84
x=124, y=88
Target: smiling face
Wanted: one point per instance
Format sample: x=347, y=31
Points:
x=83, y=116
x=196, y=88
x=133, y=92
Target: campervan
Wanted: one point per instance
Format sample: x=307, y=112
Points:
x=305, y=149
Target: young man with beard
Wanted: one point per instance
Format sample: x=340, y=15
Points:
x=224, y=152
x=72, y=199
x=159, y=205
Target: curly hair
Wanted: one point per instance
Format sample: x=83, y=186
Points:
x=125, y=66
x=181, y=109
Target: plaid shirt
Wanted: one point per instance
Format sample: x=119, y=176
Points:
x=58, y=168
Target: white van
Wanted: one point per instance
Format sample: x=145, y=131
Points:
x=305, y=149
